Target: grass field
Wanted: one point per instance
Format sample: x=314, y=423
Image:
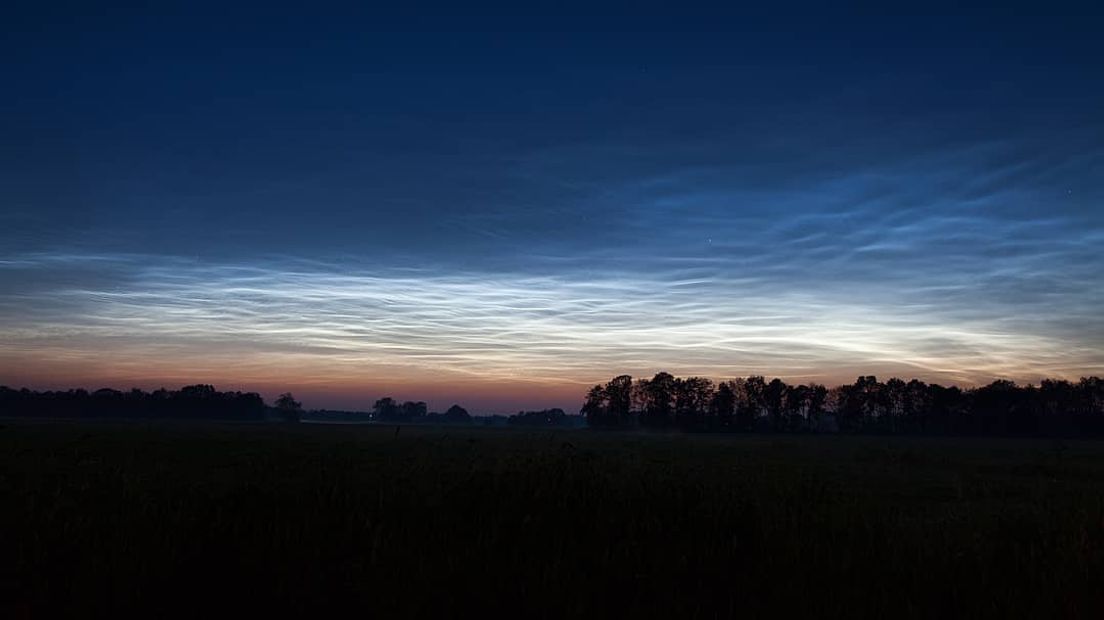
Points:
x=173, y=519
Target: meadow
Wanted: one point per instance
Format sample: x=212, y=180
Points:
x=173, y=519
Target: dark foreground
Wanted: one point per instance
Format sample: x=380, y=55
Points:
x=252, y=519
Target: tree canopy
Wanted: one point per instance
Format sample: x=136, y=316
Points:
x=1052, y=408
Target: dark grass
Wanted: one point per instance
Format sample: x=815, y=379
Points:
x=173, y=519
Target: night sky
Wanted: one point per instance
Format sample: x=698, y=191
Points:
x=502, y=209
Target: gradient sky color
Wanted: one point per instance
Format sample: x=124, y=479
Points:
x=501, y=209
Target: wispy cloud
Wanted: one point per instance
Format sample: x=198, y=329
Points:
x=950, y=265
x=337, y=324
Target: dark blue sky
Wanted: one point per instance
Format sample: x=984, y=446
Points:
x=485, y=205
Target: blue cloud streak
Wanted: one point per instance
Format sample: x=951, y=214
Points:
x=955, y=265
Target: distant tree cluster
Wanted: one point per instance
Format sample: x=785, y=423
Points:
x=1052, y=408
x=193, y=401
x=290, y=410
x=390, y=410
x=555, y=418
x=453, y=415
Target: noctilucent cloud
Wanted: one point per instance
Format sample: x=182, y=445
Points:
x=500, y=210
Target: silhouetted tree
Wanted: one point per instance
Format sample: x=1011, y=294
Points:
x=456, y=414
x=796, y=401
x=386, y=410
x=915, y=404
x=193, y=402
x=1055, y=408
x=555, y=417
x=656, y=400
x=722, y=410
x=692, y=398
x=817, y=398
x=619, y=399
x=893, y=400
x=609, y=405
x=413, y=411
x=290, y=409
x=749, y=401
x=596, y=408
x=774, y=399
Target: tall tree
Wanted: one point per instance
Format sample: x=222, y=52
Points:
x=386, y=410
x=596, y=407
x=657, y=397
x=692, y=397
x=818, y=398
x=290, y=409
x=722, y=409
x=619, y=399
x=750, y=401
x=774, y=398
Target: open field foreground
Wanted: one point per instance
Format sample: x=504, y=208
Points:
x=175, y=518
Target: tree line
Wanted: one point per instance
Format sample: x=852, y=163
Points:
x=193, y=401
x=1052, y=408
x=750, y=404
x=389, y=410
x=204, y=402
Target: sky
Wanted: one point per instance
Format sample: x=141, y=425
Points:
x=500, y=208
